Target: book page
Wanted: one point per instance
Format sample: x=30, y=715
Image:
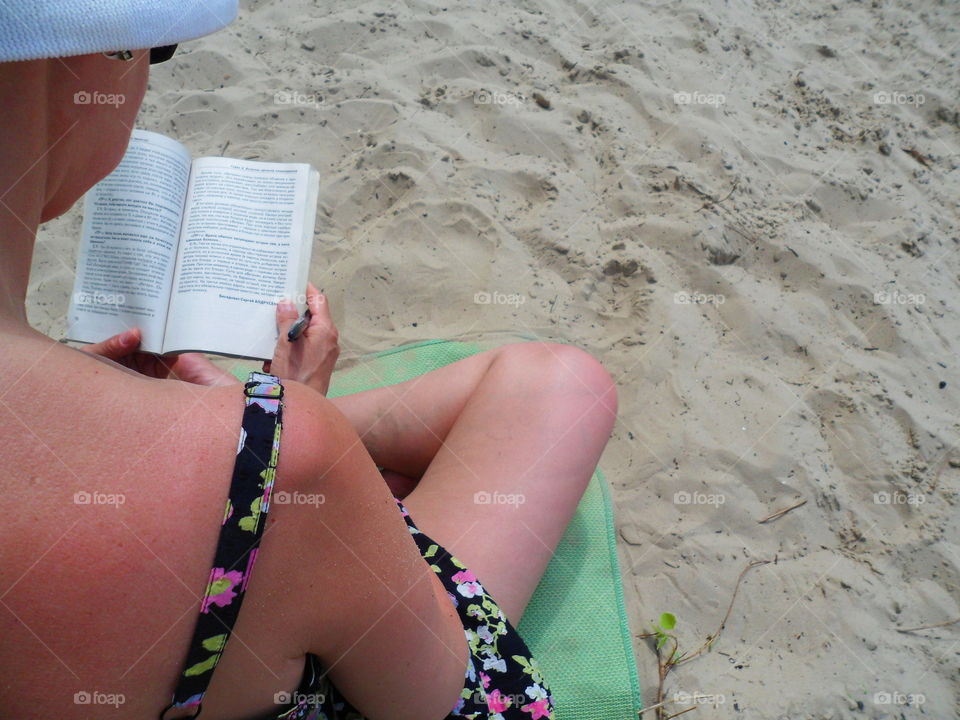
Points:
x=241, y=250
x=131, y=226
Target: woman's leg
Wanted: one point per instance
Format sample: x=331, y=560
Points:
x=505, y=442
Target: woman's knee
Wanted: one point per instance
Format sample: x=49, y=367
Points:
x=567, y=372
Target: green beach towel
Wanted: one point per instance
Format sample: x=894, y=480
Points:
x=576, y=623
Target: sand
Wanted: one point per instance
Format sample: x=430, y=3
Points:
x=748, y=211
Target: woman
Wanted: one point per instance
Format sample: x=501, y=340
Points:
x=355, y=605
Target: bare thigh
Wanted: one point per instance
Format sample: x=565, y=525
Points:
x=505, y=443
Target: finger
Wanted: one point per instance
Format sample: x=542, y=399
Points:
x=118, y=346
x=266, y=366
x=286, y=315
x=180, y=363
x=319, y=307
x=196, y=368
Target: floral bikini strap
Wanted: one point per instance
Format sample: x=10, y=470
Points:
x=244, y=519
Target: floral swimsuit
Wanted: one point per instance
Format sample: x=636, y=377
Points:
x=502, y=680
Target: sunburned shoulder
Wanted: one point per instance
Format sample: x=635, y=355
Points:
x=314, y=433
x=203, y=423
x=316, y=437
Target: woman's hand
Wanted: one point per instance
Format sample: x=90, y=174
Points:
x=311, y=357
x=189, y=367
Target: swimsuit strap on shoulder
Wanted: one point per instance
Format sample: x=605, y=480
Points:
x=244, y=519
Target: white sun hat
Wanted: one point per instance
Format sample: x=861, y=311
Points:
x=31, y=29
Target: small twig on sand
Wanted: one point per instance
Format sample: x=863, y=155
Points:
x=666, y=661
x=727, y=196
x=648, y=708
x=928, y=627
x=917, y=155
x=723, y=623
x=743, y=233
x=680, y=713
x=781, y=513
x=707, y=196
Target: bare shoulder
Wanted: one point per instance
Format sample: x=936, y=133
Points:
x=313, y=433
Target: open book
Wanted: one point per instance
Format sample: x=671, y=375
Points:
x=196, y=253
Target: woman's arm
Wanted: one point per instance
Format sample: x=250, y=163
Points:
x=349, y=577
x=310, y=359
x=123, y=351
